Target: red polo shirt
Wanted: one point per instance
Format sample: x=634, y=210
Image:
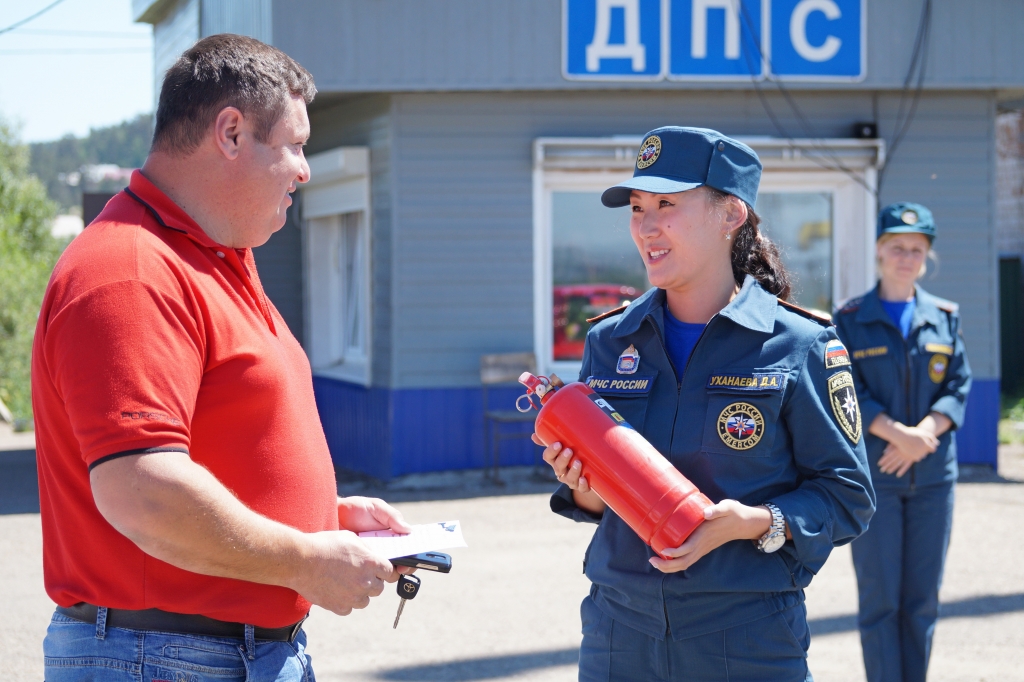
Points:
x=154, y=337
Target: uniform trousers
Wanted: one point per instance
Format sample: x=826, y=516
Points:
x=772, y=648
x=899, y=563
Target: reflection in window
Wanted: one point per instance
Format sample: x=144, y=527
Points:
x=595, y=266
x=801, y=224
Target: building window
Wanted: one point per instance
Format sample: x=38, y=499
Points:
x=585, y=262
x=338, y=268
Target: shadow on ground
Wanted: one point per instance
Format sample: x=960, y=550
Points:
x=487, y=668
x=973, y=607
x=19, y=491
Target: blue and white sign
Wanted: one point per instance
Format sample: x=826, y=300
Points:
x=613, y=39
x=715, y=39
x=813, y=40
x=817, y=39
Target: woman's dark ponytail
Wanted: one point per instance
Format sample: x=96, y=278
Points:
x=755, y=255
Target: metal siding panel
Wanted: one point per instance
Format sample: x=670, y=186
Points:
x=463, y=227
x=172, y=35
x=244, y=17
x=279, y=264
x=357, y=423
x=396, y=45
x=952, y=139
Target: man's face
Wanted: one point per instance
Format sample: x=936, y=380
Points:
x=270, y=172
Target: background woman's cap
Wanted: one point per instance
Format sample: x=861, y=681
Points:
x=674, y=159
x=904, y=217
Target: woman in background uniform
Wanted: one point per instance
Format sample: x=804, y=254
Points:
x=912, y=380
x=751, y=398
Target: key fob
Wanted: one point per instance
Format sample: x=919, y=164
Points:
x=428, y=561
x=408, y=586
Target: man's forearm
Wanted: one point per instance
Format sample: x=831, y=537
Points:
x=177, y=511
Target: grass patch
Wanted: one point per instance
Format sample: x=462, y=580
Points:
x=1011, y=419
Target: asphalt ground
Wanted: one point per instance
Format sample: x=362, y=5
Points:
x=509, y=610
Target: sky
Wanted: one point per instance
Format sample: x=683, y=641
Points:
x=83, y=64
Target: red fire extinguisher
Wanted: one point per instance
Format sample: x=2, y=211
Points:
x=627, y=472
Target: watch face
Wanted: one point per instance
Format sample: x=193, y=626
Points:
x=773, y=543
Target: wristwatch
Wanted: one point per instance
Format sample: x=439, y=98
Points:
x=775, y=538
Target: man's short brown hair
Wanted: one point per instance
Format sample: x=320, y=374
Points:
x=226, y=70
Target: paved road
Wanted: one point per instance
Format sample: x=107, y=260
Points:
x=509, y=609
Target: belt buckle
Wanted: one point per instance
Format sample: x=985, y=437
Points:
x=296, y=628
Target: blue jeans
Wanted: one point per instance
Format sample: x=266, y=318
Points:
x=79, y=652
x=771, y=649
x=899, y=563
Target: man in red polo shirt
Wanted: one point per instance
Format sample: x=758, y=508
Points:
x=189, y=508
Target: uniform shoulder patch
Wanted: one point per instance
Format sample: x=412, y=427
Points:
x=850, y=306
x=836, y=354
x=818, y=317
x=610, y=313
x=844, y=404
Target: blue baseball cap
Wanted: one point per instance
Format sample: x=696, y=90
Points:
x=674, y=159
x=904, y=217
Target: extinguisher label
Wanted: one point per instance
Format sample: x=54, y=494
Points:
x=609, y=410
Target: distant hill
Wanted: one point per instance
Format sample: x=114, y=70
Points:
x=59, y=164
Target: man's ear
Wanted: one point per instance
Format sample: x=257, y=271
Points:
x=227, y=129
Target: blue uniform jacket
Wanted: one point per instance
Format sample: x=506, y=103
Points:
x=759, y=379
x=908, y=378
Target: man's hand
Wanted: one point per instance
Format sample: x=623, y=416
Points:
x=339, y=573
x=359, y=514
x=723, y=522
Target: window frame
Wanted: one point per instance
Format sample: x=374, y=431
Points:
x=339, y=186
x=796, y=165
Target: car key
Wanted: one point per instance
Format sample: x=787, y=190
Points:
x=408, y=588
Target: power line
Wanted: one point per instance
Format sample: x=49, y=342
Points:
x=809, y=131
x=75, y=50
x=918, y=62
x=30, y=18
x=84, y=34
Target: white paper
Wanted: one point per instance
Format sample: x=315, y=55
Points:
x=427, y=537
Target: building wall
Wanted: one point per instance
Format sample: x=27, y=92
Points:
x=174, y=32
x=1010, y=183
x=244, y=17
x=463, y=228
x=461, y=264
x=397, y=45
x=367, y=121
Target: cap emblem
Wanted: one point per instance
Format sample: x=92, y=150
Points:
x=650, y=150
x=909, y=217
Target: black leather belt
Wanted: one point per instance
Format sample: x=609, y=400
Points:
x=182, y=623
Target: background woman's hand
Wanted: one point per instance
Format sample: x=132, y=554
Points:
x=724, y=522
x=910, y=445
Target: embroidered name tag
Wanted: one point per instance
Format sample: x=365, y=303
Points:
x=870, y=352
x=755, y=381
x=636, y=384
x=938, y=348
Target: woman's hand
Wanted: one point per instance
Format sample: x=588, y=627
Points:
x=724, y=522
x=907, y=444
x=570, y=472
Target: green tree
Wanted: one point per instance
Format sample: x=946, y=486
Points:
x=28, y=253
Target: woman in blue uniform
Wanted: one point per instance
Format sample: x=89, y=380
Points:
x=751, y=398
x=912, y=379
